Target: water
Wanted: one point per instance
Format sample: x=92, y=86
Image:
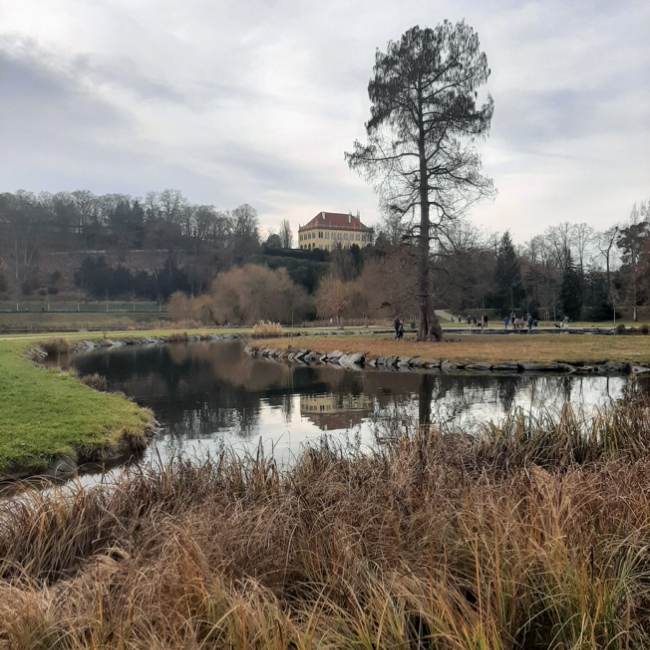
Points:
x=208, y=396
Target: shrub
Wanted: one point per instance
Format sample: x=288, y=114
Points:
x=96, y=382
x=52, y=291
x=56, y=346
x=645, y=329
x=633, y=330
x=266, y=330
x=620, y=328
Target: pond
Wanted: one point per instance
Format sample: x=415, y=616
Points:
x=208, y=396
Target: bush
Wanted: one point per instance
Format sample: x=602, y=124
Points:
x=620, y=328
x=645, y=329
x=52, y=291
x=266, y=330
x=28, y=287
x=96, y=382
x=3, y=283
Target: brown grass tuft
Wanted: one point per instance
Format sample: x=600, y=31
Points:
x=55, y=347
x=96, y=382
x=178, y=337
x=266, y=330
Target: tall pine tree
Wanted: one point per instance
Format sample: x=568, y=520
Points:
x=507, y=277
x=571, y=290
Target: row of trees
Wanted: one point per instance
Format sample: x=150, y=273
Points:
x=33, y=225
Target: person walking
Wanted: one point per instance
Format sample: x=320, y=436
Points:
x=396, y=324
x=531, y=322
x=505, y=322
x=400, y=331
x=485, y=321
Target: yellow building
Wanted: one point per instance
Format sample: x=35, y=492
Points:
x=329, y=229
x=331, y=411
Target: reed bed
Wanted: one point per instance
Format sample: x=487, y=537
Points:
x=530, y=534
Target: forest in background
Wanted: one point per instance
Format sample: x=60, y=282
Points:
x=216, y=266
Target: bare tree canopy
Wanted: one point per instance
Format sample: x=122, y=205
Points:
x=286, y=235
x=424, y=117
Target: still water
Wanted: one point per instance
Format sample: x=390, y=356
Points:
x=208, y=396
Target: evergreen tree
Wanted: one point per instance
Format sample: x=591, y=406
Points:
x=507, y=277
x=571, y=291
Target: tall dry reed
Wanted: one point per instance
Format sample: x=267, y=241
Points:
x=534, y=534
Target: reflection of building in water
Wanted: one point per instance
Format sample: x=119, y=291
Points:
x=331, y=411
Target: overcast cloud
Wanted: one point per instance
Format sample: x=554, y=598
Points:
x=256, y=100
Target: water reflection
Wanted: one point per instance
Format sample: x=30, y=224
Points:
x=212, y=394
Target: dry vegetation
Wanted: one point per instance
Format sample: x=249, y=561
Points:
x=533, y=535
x=266, y=329
x=486, y=348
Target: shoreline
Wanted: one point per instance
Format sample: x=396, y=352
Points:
x=365, y=353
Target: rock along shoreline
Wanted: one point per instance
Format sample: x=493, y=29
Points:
x=363, y=361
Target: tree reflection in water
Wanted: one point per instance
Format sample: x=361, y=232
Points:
x=215, y=392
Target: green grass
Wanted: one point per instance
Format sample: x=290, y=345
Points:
x=48, y=413
x=72, y=322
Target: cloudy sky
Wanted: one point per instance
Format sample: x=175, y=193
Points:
x=255, y=101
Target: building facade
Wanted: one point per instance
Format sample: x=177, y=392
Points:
x=327, y=230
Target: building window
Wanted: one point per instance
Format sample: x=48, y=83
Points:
x=358, y=237
x=320, y=235
x=327, y=235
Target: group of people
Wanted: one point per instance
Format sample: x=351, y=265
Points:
x=517, y=324
x=472, y=321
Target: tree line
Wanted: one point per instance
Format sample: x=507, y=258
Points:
x=198, y=238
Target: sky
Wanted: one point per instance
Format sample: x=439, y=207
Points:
x=256, y=101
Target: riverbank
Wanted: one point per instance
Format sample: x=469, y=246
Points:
x=50, y=420
x=485, y=350
x=532, y=534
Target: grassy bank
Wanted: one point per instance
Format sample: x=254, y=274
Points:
x=44, y=322
x=529, y=535
x=484, y=348
x=47, y=413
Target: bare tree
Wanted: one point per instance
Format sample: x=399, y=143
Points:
x=605, y=243
x=286, y=236
x=424, y=104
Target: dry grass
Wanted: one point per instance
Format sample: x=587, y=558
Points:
x=266, y=330
x=96, y=382
x=55, y=347
x=485, y=348
x=532, y=535
x=178, y=337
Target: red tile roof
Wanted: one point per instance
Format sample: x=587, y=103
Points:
x=336, y=220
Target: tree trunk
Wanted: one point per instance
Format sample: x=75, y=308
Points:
x=425, y=395
x=429, y=328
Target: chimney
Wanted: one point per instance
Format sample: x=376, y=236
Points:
x=323, y=215
x=349, y=218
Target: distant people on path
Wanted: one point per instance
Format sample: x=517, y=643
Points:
x=505, y=322
x=396, y=324
x=485, y=320
x=469, y=320
x=400, y=331
x=531, y=323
